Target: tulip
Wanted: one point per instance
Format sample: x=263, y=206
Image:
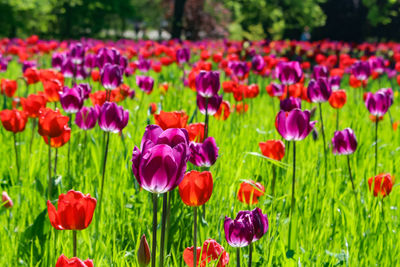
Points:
x=87, y=117
x=71, y=99
x=52, y=89
x=210, y=251
x=57, y=60
x=159, y=167
x=59, y=141
x=31, y=75
x=289, y=72
x=196, y=132
x=240, y=69
x=250, y=191
x=73, y=262
x=209, y=106
x=143, y=253
x=6, y=200
x=13, y=120
x=174, y=119
x=8, y=87
x=334, y=82
x=257, y=63
x=319, y=90
x=182, y=55
x=382, y=184
x=361, y=70
x=145, y=83
x=275, y=89
x=113, y=118
x=143, y=65
x=32, y=104
x=224, y=111
x=85, y=89
x=290, y=103
x=107, y=55
x=203, y=154
x=320, y=72
x=51, y=122
x=68, y=68
x=273, y=149
x=111, y=76
x=207, y=83
x=76, y=53
x=377, y=64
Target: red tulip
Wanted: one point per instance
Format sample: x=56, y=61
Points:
x=51, y=123
x=61, y=140
x=143, y=253
x=8, y=87
x=13, y=120
x=75, y=211
x=239, y=108
x=52, y=89
x=250, y=191
x=98, y=98
x=152, y=108
x=338, y=99
x=196, y=188
x=32, y=104
x=95, y=75
x=73, y=262
x=7, y=201
x=383, y=184
x=174, y=119
x=31, y=75
x=224, y=111
x=196, y=132
x=273, y=149
x=211, y=251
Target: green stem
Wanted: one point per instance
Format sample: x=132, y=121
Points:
x=337, y=119
x=195, y=236
x=376, y=144
x=32, y=135
x=250, y=253
x=16, y=155
x=154, y=241
x=163, y=221
x=273, y=180
x=50, y=185
x=293, y=192
x=74, y=241
x=104, y=171
x=55, y=163
x=206, y=121
x=69, y=147
x=238, y=257
x=170, y=195
x=324, y=142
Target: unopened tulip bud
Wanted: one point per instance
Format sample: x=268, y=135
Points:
x=143, y=253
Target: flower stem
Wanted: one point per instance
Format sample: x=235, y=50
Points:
x=104, y=171
x=154, y=241
x=351, y=176
x=195, y=236
x=250, y=253
x=163, y=221
x=69, y=148
x=376, y=144
x=55, y=163
x=32, y=135
x=273, y=180
x=170, y=196
x=50, y=185
x=16, y=155
x=238, y=257
x=206, y=121
x=324, y=142
x=293, y=198
x=337, y=119
x=74, y=241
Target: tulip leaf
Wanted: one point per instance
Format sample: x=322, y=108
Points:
x=278, y=163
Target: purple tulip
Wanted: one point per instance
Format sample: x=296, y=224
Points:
x=344, y=142
x=57, y=61
x=71, y=99
x=239, y=68
x=85, y=88
x=3, y=64
x=111, y=76
x=294, y=125
x=391, y=73
x=212, y=103
x=90, y=62
x=107, y=55
x=377, y=64
x=277, y=89
x=80, y=72
x=257, y=63
x=361, y=70
x=182, y=55
x=319, y=90
x=160, y=164
x=143, y=64
x=76, y=53
x=378, y=103
x=389, y=93
x=289, y=72
x=290, y=103
x=320, y=71
x=28, y=64
x=87, y=117
x=334, y=82
x=145, y=83
x=123, y=62
x=204, y=154
x=248, y=227
x=207, y=83
x=113, y=118
x=68, y=68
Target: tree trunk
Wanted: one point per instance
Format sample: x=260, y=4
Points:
x=179, y=6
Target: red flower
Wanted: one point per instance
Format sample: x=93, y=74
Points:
x=212, y=251
x=98, y=98
x=73, y=262
x=51, y=123
x=383, y=184
x=152, y=108
x=52, y=89
x=31, y=75
x=240, y=108
x=95, y=75
x=143, y=253
x=229, y=86
x=32, y=104
x=13, y=120
x=224, y=111
x=6, y=200
x=8, y=87
x=75, y=211
x=174, y=119
x=217, y=57
x=252, y=91
x=250, y=190
x=273, y=149
x=338, y=99
x=196, y=188
x=61, y=140
x=196, y=132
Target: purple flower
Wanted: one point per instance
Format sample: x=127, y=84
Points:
x=257, y=63
x=107, y=55
x=76, y=53
x=80, y=72
x=207, y=83
x=57, y=61
x=113, y=118
x=377, y=64
x=145, y=83
x=111, y=76
x=87, y=117
x=212, y=104
x=361, y=70
x=68, y=68
x=90, y=62
x=28, y=64
x=389, y=93
x=290, y=103
x=182, y=55
x=85, y=88
x=239, y=68
x=378, y=103
x=391, y=73
x=320, y=71
x=71, y=99
x=319, y=90
x=3, y=64
x=334, y=82
x=294, y=125
x=160, y=164
x=344, y=142
x=277, y=89
x=289, y=72
x=143, y=64
x=248, y=227
x=123, y=62
x=204, y=154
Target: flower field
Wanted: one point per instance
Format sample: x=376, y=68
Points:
x=224, y=153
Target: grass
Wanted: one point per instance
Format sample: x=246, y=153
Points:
x=330, y=229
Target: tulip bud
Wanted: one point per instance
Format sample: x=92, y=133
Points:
x=143, y=253
x=7, y=201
